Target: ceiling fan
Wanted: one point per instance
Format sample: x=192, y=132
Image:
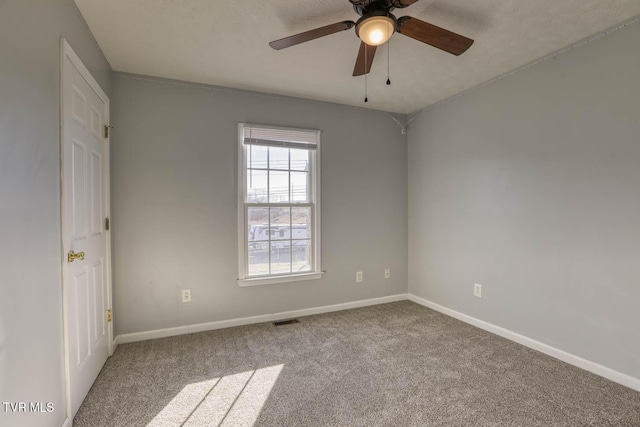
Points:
x=376, y=25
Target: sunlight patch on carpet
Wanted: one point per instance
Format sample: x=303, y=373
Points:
x=233, y=400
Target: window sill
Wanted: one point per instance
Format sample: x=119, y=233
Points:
x=280, y=279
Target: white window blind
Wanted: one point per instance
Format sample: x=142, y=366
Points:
x=277, y=137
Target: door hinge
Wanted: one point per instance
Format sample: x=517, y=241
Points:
x=106, y=131
x=108, y=315
x=106, y=224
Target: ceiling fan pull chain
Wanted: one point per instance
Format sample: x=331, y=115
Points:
x=366, y=98
x=388, y=56
x=388, y=62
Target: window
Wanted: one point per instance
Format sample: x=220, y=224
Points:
x=278, y=204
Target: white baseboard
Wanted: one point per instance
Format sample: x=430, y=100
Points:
x=201, y=327
x=603, y=371
x=116, y=342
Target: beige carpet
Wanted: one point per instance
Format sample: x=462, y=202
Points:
x=397, y=364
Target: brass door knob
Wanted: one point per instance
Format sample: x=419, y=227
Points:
x=74, y=256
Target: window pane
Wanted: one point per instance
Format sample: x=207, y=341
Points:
x=281, y=257
x=257, y=186
x=258, y=224
x=257, y=157
x=258, y=259
x=301, y=253
x=301, y=223
x=278, y=158
x=299, y=187
x=299, y=160
x=280, y=223
x=278, y=187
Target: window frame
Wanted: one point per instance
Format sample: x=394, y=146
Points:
x=314, y=184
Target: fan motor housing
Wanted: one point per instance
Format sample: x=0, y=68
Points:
x=365, y=7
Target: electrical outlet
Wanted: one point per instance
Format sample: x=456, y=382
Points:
x=477, y=290
x=186, y=295
x=359, y=278
x=387, y=273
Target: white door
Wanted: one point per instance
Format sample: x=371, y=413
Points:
x=86, y=280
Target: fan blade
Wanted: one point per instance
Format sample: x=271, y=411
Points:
x=311, y=35
x=433, y=35
x=363, y=67
x=403, y=3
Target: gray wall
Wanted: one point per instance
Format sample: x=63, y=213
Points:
x=31, y=353
x=174, y=150
x=531, y=187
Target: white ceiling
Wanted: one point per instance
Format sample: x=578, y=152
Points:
x=225, y=43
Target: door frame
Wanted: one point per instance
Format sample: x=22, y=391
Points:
x=69, y=58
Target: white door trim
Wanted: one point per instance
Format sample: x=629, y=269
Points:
x=67, y=53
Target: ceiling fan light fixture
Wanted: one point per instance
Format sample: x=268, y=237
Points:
x=375, y=30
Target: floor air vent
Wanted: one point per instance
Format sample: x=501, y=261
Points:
x=285, y=322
